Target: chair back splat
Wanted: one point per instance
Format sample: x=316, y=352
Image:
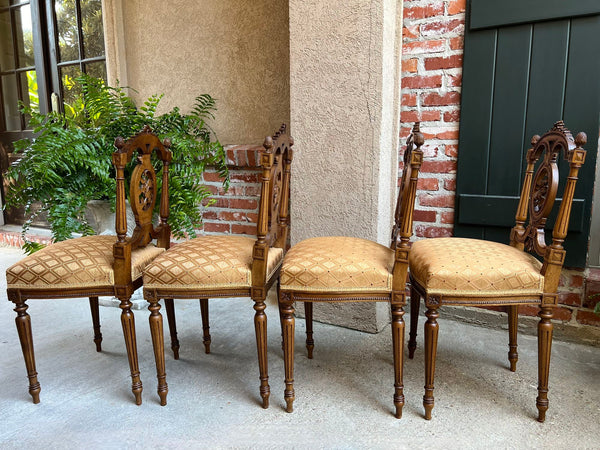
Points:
x=538, y=195
x=273, y=216
x=142, y=197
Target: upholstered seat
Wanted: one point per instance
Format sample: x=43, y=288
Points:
x=77, y=263
x=461, y=266
x=330, y=264
x=208, y=262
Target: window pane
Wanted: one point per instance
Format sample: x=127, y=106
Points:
x=70, y=90
x=91, y=24
x=97, y=69
x=29, y=89
x=7, y=57
x=12, y=117
x=24, y=36
x=66, y=22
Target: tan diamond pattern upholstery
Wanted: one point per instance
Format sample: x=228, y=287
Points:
x=75, y=263
x=208, y=262
x=329, y=264
x=460, y=266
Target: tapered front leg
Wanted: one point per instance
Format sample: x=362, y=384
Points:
x=23, y=322
x=398, y=345
x=158, y=343
x=287, y=308
x=96, y=323
x=545, y=329
x=415, y=303
x=206, y=339
x=431, y=337
x=513, y=321
x=128, y=323
x=170, y=307
x=260, y=327
x=310, y=343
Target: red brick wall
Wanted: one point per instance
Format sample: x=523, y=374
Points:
x=235, y=211
x=432, y=51
x=431, y=80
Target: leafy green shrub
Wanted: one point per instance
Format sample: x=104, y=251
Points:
x=69, y=162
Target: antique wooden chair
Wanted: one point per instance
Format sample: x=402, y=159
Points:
x=227, y=266
x=93, y=266
x=472, y=272
x=348, y=269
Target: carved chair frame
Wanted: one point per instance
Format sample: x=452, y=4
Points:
x=143, y=188
x=537, y=198
x=400, y=243
x=272, y=231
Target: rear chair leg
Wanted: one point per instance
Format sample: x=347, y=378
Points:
x=415, y=302
x=205, y=324
x=170, y=307
x=96, y=322
x=310, y=343
x=513, y=316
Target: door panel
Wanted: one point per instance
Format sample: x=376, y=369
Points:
x=541, y=72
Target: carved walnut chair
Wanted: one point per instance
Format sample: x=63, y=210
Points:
x=472, y=272
x=348, y=269
x=93, y=266
x=227, y=266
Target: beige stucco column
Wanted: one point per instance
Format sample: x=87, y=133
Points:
x=344, y=101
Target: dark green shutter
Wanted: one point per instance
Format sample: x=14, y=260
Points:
x=525, y=67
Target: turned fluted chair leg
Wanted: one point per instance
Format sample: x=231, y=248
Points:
x=158, y=344
x=431, y=337
x=310, y=342
x=206, y=339
x=415, y=303
x=96, y=323
x=128, y=323
x=513, y=321
x=260, y=326
x=287, y=308
x=170, y=307
x=545, y=328
x=23, y=322
x=398, y=349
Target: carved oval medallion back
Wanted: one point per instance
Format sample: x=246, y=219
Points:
x=544, y=185
x=147, y=188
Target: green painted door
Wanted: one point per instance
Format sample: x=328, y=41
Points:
x=527, y=64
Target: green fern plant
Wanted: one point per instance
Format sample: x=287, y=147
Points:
x=69, y=162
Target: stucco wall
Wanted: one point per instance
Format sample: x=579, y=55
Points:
x=344, y=118
x=235, y=50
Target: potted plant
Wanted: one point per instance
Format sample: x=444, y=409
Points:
x=68, y=163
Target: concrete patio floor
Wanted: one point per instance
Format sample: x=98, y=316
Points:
x=343, y=395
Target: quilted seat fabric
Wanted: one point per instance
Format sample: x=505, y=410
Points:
x=208, y=262
x=75, y=263
x=330, y=264
x=472, y=267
